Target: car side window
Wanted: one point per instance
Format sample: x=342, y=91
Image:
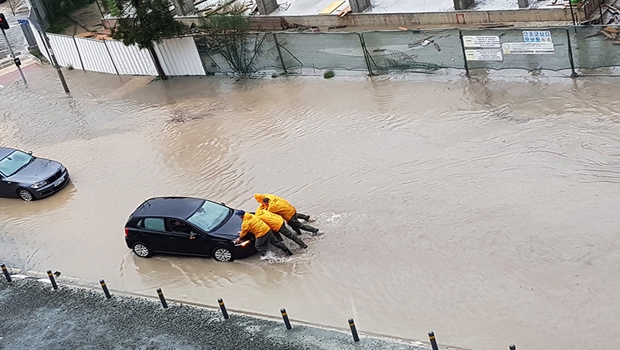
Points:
x=179, y=226
x=155, y=224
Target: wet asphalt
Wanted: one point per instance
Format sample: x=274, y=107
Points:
x=34, y=316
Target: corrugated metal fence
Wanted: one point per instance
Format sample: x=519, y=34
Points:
x=178, y=56
x=581, y=50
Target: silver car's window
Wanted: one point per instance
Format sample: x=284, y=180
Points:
x=209, y=216
x=10, y=164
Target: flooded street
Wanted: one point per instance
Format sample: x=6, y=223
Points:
x=486, y=211
x=15, y=34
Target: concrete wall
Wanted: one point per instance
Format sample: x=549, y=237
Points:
x=408, y=19
x=438, y=18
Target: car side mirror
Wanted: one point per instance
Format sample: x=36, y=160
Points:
x=193, y=235
x=222, y=203
x=30, y=152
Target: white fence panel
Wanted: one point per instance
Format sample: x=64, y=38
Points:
x=39, y=41
x=179, y=56
x=130, y=60
x=65, y=50
x=95, y=55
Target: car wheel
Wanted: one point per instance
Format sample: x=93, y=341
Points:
x=142, y=250
x=221, y=254
x=25, y=195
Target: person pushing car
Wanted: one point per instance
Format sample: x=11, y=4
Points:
x=262, y=232
x=276, y=223
x=282, y=207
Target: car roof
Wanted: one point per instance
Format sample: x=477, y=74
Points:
x=4, y=151
x=173, y=207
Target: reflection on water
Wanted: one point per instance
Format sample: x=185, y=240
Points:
x=484, y=210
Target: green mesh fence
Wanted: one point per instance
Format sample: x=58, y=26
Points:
x=260, y=55
x=529, y=49
x=322, y=51
x=584, y=48
x=593, y=46
x=415, y=51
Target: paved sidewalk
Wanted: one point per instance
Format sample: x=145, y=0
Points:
x=34, y=316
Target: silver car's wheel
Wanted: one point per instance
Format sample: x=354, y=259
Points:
x=222, y=254
x=25, y=195
x=142, y=250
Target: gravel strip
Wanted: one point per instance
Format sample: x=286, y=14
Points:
x=34, y=316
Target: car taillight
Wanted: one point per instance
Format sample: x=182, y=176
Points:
x=126, y=231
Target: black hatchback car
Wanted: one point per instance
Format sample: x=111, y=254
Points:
x=186, y=226
x=27, y=177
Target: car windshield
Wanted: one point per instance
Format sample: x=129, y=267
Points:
x=11, y=164
x=209, y=216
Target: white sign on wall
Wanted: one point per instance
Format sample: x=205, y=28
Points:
x=484, y=55
x=535, y=48
x=482, y=41
x=537, y=36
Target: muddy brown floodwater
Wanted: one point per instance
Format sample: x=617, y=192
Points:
x=485, y=210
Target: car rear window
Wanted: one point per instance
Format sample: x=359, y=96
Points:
x=155, y=224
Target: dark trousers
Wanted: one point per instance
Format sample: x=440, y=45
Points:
x=303, y=216
x=287, y=233
x=262, y=243
x=297, y=226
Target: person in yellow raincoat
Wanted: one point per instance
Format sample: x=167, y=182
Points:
x=276, y=223
x=282, y=207
x=261, y=231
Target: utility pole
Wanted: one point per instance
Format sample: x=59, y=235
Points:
x=12, y=9
x=4, y=24
x=46, y=41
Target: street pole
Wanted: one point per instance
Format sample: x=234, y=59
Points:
x=49, y=46
x=12, y=9
x=16, y=60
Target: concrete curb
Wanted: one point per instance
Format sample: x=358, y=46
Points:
x=7, y=66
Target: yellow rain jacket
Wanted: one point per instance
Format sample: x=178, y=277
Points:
x=251, y=223
x=277, y=205
x=274, y=221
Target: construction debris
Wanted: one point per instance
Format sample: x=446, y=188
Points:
x=610, y=33
x=606, y=14
x=422, y=42
x=104, y=34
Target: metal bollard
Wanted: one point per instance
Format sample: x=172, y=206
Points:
x=223, y=307
x=51, y=276
x=6, y=273
x=353, y=330
x=162, y=298
x=512, y=347
x=105, y=289
x=431, y=336
x=285, y=317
